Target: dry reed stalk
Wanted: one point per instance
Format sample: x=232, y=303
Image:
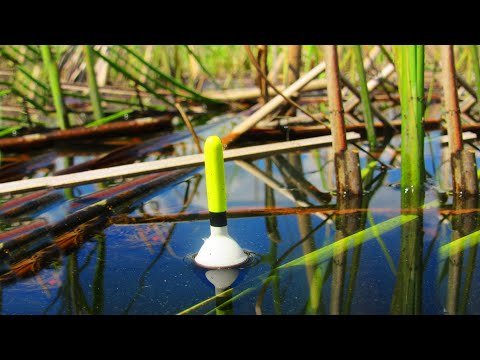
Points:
x=462, y=161
x=262, y=82
x=346, y=162
x=176, y=163
x=272, y=105
x=123, y=127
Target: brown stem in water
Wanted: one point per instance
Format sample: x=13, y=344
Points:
x=347, y=167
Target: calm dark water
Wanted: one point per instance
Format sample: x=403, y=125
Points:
x=305, y=263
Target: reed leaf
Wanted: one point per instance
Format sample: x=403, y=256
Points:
x=458, y=245
x=129, y=76
x=348, y=242
x=35, y=104
x=109, y=118
x=8, y=131
x=92, y=82
x=118, y=101
x=204, y=69
x=367, y=109
x=55, y=87
x=471, y=266
x=28, y=75
x=384, y=248
x=369, y=169
x=357, y=238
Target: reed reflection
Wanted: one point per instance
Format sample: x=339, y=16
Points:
x=296, y=192
x=274, y=236
x=300, y=189
x=463, y=224
x=407, y=293
x=348, y=223
x=222, y=279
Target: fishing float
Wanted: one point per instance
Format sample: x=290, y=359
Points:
x=219, y=250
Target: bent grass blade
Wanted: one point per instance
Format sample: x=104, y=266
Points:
x=458, y=245
x=109, y=118
x=350, y=241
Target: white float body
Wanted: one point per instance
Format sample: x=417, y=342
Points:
x=220, y=250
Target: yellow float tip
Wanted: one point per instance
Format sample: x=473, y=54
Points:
x=215, y=175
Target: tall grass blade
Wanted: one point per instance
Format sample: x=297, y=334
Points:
x=109, y=118
x=458, y=245
x=367, y=110
x=202, y=66
x=169, y=78
x=92, y=82
x=350, y=241
x=55, y=88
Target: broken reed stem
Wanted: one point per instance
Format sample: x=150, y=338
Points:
x=267, y=81
x=337, y=123
x=346, y=162
x=262, y=80
x=464, y=170
x=371, y=56
x=367, y=107
x=462, y=161
x=189, y=126
x=273, y=104
x=95, y=98
x=55, y=88
x=347, y=169
x=451, y=99
x=294, y=60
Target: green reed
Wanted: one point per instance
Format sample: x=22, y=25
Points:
x=367, y=109
x=54, y=79
x=410, y=70
x=92, y=82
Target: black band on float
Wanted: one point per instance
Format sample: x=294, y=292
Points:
x=218, y=219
